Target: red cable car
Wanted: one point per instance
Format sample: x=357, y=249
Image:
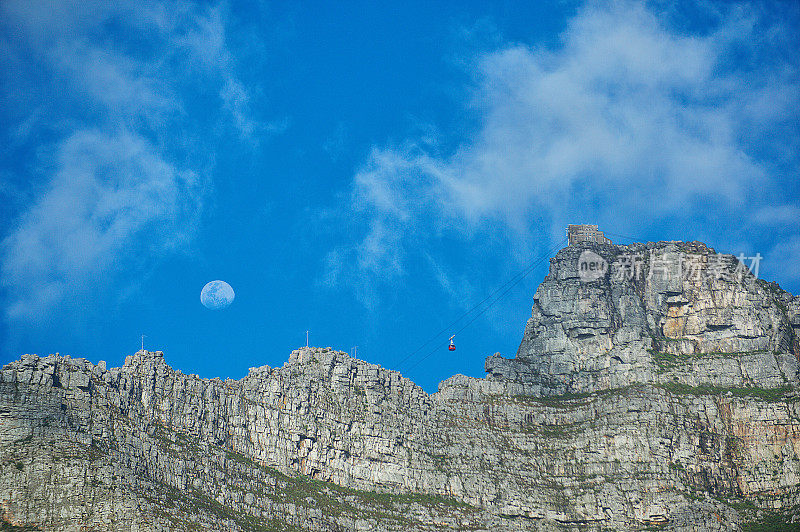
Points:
x=452, y=346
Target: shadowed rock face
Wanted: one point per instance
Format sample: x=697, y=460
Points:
x=659, y=312
x=328, y=442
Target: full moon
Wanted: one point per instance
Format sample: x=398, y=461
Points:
x=217, y=295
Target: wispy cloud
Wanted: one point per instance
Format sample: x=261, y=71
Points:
x=205, y=40
x=627, y=119
x=783, y=259
x=777, y=215
x=119, y=179
x=108, y=190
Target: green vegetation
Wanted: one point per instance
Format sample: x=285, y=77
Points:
x=556, y=401
x=740, y=505
x=95, y=452
x=195, y=502
x=663, y=360
x=667, y=361
x=572, y=400
x=173, y=441
x=566, y=400
x=239, y=457
x=269, y=483
x=771, y=522
x=78, y=451
x=6, y=526
x=755, y=519
x=202, y=502
x=306, y=486
x=765, y=394
x=733, y=445
x=186, y=441
x=439, y=461
x=162, y=434
x=556, y=431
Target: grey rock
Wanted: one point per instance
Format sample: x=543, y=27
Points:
x=631, y=403
x=662, y=312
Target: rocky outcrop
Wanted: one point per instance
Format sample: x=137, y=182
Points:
x=657, y=312
x=674, y=437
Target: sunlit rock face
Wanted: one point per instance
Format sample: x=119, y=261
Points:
x=683, y=415
x=658, y=312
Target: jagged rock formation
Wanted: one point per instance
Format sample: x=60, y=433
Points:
x=660, y=312
x=631, y=404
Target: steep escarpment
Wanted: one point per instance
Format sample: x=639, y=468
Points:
x=631, y=404
x=653, y=313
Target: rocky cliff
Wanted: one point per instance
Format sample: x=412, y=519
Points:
x=653, y=313
x=655, y=390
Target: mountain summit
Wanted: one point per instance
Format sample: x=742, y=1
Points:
x=669, y=312
x=654, y=388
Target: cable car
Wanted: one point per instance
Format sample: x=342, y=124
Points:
x=452, y=346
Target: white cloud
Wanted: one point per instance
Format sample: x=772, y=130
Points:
x=777, y=215
x=781, y=262
x=625, y=120
x=121, y=178
x=108, y=189
x=205, y=39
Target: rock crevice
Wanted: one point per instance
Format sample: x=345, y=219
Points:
x=632, y=402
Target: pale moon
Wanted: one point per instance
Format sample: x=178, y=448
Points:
x=217, y=295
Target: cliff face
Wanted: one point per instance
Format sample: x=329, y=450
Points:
x=654, y=313
x=632, y=402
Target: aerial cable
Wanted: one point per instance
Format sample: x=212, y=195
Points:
x=627, y=236
x=505, y=288
x=730, y=236
x=510, y=284
x=512, y=281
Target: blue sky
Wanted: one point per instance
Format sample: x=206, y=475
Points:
x=369, y=172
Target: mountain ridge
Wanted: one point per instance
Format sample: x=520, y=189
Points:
x=558, y=438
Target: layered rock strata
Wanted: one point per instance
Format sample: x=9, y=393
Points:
x=653, y=313
x=696, y=427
